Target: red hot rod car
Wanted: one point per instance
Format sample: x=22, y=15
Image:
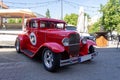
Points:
x=48, y=39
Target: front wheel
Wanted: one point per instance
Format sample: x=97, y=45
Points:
x=17, y=45
x=91, y=49
x=51, y=61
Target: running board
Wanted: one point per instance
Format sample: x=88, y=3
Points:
x=27, y=52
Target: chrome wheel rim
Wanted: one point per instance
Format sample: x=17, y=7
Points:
x=48, y=58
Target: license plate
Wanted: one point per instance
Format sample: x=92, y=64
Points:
x=85, y=58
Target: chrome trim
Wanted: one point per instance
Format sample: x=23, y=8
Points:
x=74, y=44
x=74, y=60
x=69, y=61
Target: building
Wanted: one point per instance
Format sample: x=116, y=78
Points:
x=3, y=6
x=6, y=14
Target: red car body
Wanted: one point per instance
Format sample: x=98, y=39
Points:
x=55, y=45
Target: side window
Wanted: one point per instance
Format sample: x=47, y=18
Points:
x=42, y=24
x=60, y=25
x=33, y=24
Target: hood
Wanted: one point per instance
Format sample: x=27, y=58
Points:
x=59, y=32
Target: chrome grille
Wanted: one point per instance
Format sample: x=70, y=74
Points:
x=74, y=45
x=74, y=38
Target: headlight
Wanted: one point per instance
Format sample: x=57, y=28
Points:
x=84, y=41
x=65, y=41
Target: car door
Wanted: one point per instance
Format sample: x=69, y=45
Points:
x=32, y=34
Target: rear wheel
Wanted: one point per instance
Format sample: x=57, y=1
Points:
x=17, y=45
x=51, y=61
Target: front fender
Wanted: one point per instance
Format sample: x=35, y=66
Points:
x=55, y=47
x=90, y=42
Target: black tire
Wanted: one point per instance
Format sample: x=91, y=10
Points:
x=91, y=49
x=50, y=60
x=17, y=45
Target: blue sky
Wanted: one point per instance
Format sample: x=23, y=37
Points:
x=69, y=6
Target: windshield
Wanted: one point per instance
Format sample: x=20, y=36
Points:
x=48, y=24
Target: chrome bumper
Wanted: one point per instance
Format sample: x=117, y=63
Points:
x=80, y=59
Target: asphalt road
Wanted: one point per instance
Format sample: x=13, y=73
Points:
x=14, y=66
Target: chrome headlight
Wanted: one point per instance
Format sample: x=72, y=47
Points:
x=65, y=41
x=84, y=41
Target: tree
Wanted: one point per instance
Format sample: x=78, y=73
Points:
x=48, y=14
x=111, y=15
x=94, y=28
x=71, y=19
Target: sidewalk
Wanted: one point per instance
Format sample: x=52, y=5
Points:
x=8, y=37
x=7, y=40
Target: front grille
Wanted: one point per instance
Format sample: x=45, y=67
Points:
x=74, y=44
x=74, y=38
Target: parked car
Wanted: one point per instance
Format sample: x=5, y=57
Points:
x=85, y=35
x=90, y=39
x=73, y=28
x=48, y=39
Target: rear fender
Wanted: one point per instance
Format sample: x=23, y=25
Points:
x=23, y=40
x=55, y=47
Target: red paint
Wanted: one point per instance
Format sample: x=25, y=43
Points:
x=48, y=36
x=90, y=42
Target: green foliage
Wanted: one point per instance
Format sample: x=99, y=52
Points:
x=118, y=28
x=71, y=19
x=94, y=28
x=48, y=14
x=11, y=20
x=20, y=20
x=14, y=20
x=111, y=15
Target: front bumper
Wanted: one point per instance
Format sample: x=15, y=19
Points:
x=80, y=59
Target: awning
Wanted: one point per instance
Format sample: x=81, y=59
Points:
x=16, y=13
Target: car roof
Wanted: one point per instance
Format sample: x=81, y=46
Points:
x=47, y=19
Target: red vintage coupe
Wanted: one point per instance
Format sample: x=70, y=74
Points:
x=48, y=39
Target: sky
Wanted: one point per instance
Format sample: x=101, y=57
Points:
x=91, y=7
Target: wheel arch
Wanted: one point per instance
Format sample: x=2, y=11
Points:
x=23, y=40
x=91, y=43
x=54, y=47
